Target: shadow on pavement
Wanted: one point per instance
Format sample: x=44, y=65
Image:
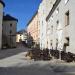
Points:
x=34, y=69
x=10, y=52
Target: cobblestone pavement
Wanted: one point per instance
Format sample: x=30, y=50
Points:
x=14, y=62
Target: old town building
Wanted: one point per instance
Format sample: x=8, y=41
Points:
x=61, y=22
x=33, y=29
x=21, y=36
x=9, y=31
x=56, y=25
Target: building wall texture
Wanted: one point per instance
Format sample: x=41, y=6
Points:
x=9, y=33
x=33, y=28
x=44, y=8
x=1, y=17
x=58, y=30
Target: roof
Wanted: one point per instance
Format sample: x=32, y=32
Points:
x=9, y=18
x=21, y=31
x=2, y=3
x=53, y=9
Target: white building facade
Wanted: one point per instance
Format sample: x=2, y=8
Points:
x=21, y=36
x=60, y=21
x=42, y=23
x=43, y=11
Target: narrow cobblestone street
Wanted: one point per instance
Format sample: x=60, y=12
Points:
x=14, y=62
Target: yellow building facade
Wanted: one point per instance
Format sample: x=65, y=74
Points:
x=33, y=28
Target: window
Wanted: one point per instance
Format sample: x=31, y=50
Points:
x=42, y=34
x=42, y=23
x=67, y=18
x=51, y=29
x=67, y=39
x=57, y=24
x=56, y=43
x=47, y=42
x=57, y=10
x=10, y=25
x=51, y=42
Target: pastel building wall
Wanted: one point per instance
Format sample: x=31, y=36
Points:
x=33, y=28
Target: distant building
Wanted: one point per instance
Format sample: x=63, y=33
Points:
x=33, y=28
x=9, y=31
x=1, y=18
x=21, y=36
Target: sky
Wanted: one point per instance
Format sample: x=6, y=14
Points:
x=23, y=10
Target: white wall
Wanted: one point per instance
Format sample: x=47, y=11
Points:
x=43, y=11
x=63, y=31
x=42, y=23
